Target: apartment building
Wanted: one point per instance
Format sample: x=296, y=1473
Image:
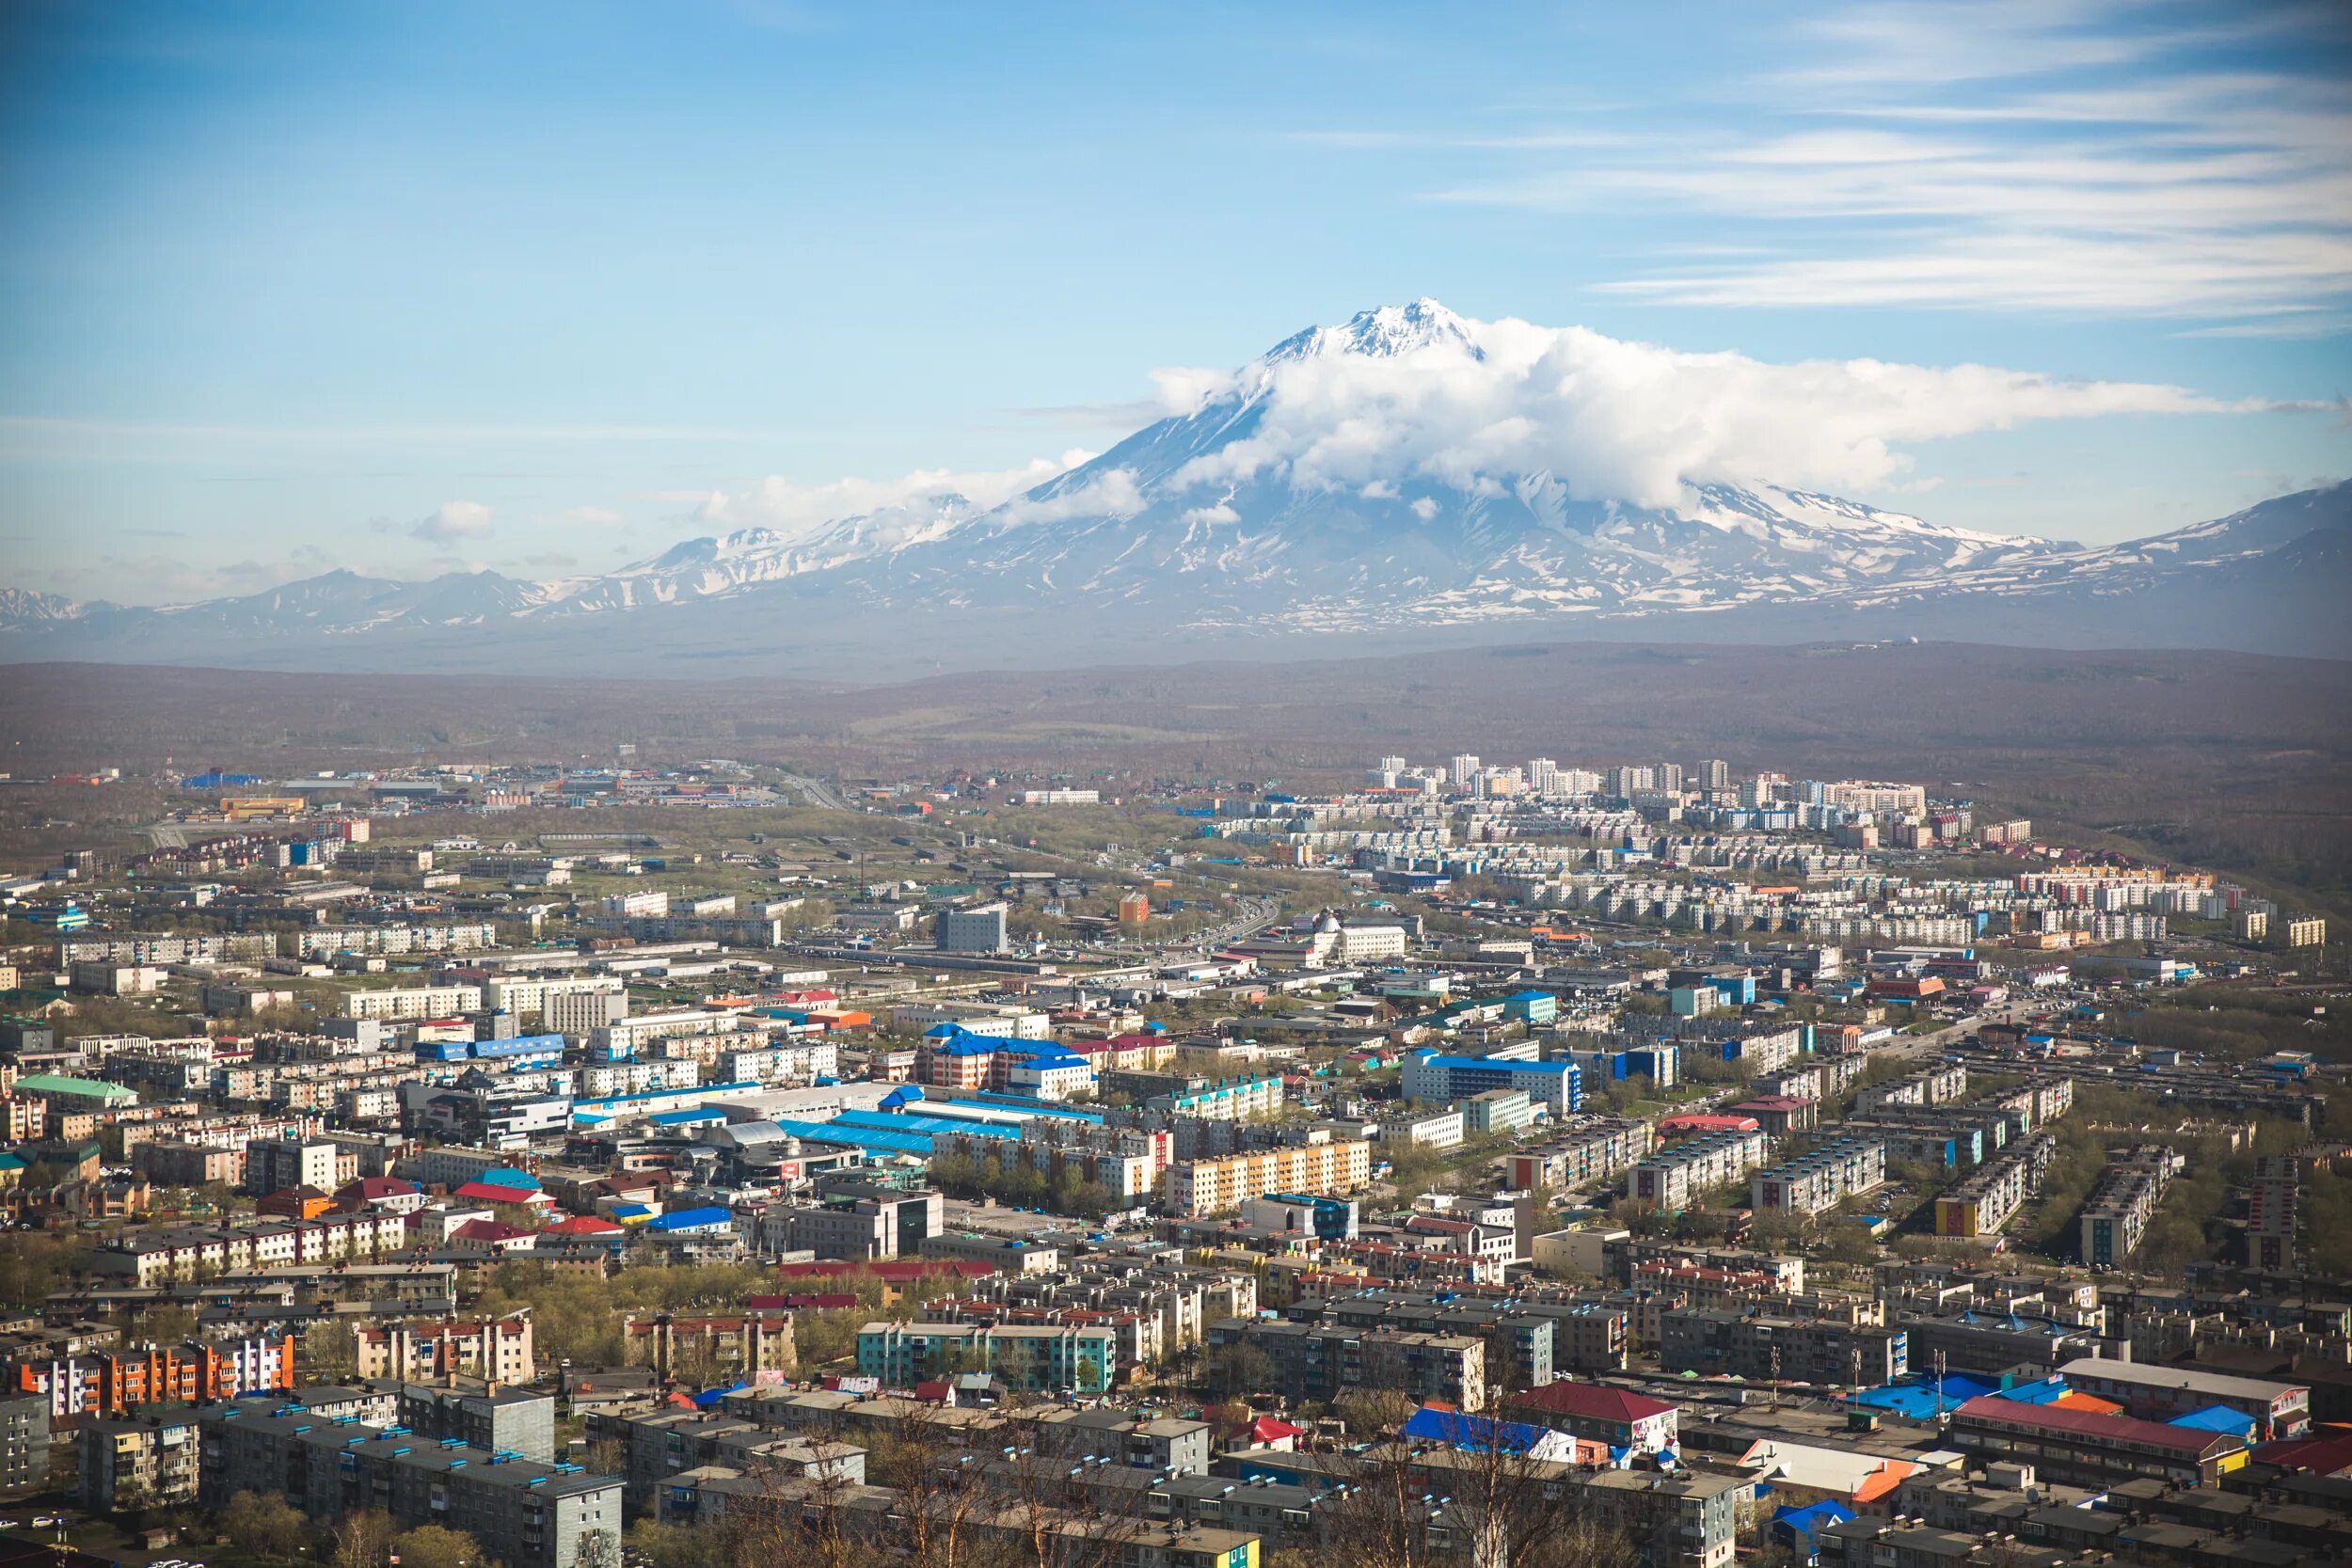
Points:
x=1818, y=1182
x=1941, y=1084
x=728, y=1345
x=1197, y=1187
x=153, y=1256
x=1672, y=1177
x=412, y=1004
x=1707, y=1340
x=276, y=1164
x=524, y=1512
x=1595, y=1150
x=1985, y=1203
x=498, y=1349
x=149, y=1460
x=2124, y=1201
x=120, y=1383
x=1321, y=1362
x=1438, y=1079
x=1081, y=1359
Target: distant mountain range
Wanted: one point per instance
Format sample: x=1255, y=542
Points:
x=1141, y=553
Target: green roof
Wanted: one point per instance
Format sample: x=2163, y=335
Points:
x=51, y=1083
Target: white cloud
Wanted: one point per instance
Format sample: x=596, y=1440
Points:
x=1220, y=512
x=1424, y=509
x=2066, y=155
x=455, y=520
x=1112, y=492
x=794, y=509
x=1627, y=420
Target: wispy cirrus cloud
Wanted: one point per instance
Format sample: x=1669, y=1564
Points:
x=2084, y=156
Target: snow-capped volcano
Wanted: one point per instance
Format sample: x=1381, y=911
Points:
x=1409, y=471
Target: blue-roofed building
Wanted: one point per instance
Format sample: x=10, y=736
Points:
x=1799, y=1528
x=1442, y=1080
x=2218, y=1417
x=712, y=1221
x=507, y=1175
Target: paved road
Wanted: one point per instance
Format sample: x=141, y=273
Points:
x=818, y=792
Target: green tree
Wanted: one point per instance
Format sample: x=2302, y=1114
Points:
x=267, y=1524
x=439, y=1546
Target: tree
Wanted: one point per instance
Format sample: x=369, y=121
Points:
x=266, y=1525
x=364, y=1539
x=661, y=1546
x=1240, y=1369
x=439, y=1546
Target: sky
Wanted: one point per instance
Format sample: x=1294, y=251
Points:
x=543, y=289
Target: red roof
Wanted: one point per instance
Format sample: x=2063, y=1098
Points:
x=1265, y=1429
x=1700, y=1121
x=2191, y=1441
x=376, y=1186
x=491, y=1192
x=583, y=1224
x=2326, y=1452
x=487, y=1231
x=1597, y=1403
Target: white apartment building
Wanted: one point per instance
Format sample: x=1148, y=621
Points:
x=1197, y=1187
x=412, y=1004
x=1672, y=1176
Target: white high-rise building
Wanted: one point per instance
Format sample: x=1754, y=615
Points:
x=1465, y=769
x=1543, y=776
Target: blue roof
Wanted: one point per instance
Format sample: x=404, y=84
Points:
x=507, y=1175
x=679, y=1118
x=682, y=1218
x=1433, y=1425
x=1487, y=1064
x=1813, y=1518
x=2216, y=1418
x=1058, y=1060
x=885, y=1121
x=1025, y=1104
x=709, y=1396
x=871, y=1139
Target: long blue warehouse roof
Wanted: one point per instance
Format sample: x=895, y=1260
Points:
x=1025, y=1104
x=887, y=1121
x=859, y=1138
x=1486, y=1064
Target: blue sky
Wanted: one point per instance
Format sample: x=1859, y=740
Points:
x=413, y=287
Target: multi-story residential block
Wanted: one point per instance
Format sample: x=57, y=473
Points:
x=1941, y=1084
x=1592, y=1149
x=524, y=1512
x=411, y=1003
x=1672, y=1177
x=1821, y=1179
x=490, y=1414
x=1197, y=1187
x=130, y=1464
x=1985, y=1203
x=497, y=1349
x=1081, y=1359
x=1322, y=1362
x=25, y=1444
x=728, y=1345
x=278, y=1164
x=1709, y=1340
x=2124, y=1203
x=103, y=1381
